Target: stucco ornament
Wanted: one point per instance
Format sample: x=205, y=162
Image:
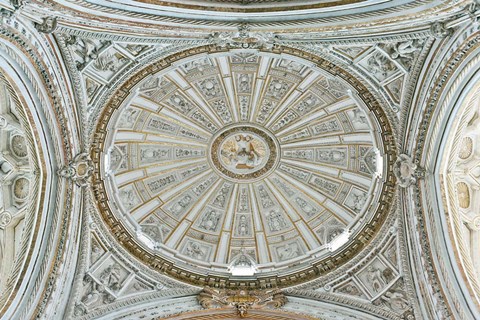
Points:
x=244, y=38
x=48, y=25
x=405, y=171
x=79, y=170
x=241, y=300
x=439, y=30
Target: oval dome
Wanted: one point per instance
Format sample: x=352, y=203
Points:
x=242, y=152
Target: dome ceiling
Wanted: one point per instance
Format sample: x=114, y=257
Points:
x=243, y=158
x=181, y=159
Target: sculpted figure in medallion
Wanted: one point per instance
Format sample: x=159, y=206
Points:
x=243, y=155
x=405, y=171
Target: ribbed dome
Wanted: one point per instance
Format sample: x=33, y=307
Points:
x=243, y=152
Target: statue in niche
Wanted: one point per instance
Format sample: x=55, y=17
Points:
x=194, y=251
x=210, y=221
x=275, y=221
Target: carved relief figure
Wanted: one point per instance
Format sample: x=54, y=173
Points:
x=242, y=228
x=403, y=52
x=109, y=62
x=380, y=65
x=396, y=299
x=243, y=155
x=129, y=198
x=178, y=207
x=221, y=198
x=265, y=197
x=110, y=277
x=128, y=117
x=289, y=251
x=331, y=156
x=359, y=117
x=194, y=251
x=305, y=206
x=210, y=220
x=374, y=276
x=275, y=221
x=350, y=289
x=359, y=201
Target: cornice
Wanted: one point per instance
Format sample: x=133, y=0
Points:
x=419, y=14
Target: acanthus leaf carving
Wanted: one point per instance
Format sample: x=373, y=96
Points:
x=241, y=300
x=440, y=30
x=244, y=38
x=406, y=171
x=48, y=25
x=78, y=170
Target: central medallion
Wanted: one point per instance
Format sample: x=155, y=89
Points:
x=244, y=153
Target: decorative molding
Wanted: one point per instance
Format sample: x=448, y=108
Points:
x=241, y=300
x=48, y=25
x=406, y=171
x=78, y=170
